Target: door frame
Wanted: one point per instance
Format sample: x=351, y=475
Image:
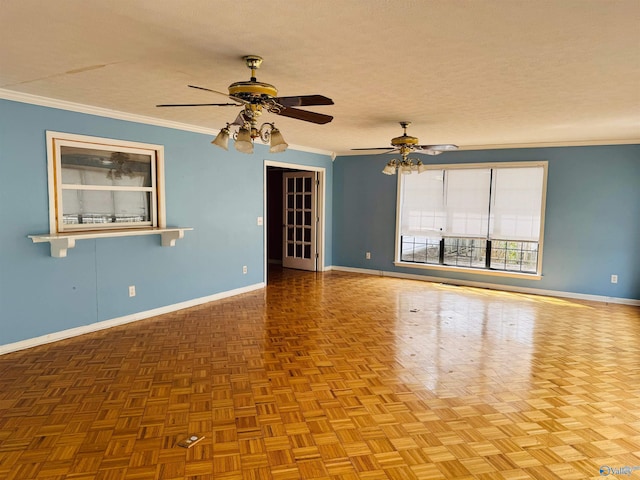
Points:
x=320, y=206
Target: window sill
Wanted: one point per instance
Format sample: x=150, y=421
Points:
x=476, y=271
x=61, y=242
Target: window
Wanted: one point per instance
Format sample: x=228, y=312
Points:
x=101, y=184
x=483, y=216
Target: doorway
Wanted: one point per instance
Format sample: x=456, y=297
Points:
x=294, y=216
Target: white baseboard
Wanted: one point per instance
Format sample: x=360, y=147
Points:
x=493, y=286
x=94, y=327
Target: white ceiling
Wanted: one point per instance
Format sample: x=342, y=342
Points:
x=473, y=73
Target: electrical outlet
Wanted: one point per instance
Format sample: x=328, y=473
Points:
x=614, y=278
x=132, y=290
x=244, y=269
x=367, y=255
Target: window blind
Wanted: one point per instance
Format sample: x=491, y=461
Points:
x=467, y=202
x=516, y=204
x=423, y=211
x=501, y=203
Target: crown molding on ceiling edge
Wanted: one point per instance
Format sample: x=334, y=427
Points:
x=504, y=146
x=576, y=143
x=130, y=117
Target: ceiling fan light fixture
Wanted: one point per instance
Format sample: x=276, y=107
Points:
x=405, y=145
x=222, y=139
x=405, y=166
x=256, y=97
x=244, y=142
x=277, y=141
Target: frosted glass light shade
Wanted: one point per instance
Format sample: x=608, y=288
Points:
x=244, y=142
x=389, y=169
x=222, y=139
x=277, y=142
x=406, y=167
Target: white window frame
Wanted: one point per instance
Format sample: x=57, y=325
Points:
x=477, y=271
x=55, y=140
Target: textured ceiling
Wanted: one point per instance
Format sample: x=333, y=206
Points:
x=474, y=73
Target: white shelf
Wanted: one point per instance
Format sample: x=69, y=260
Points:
x=61, y=242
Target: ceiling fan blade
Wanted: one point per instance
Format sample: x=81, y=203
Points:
x=375, y=148
x=236, y=99
x=199, y=105
x=312, y=117
x=303, y=100
x=208, y=90
x=385, y=150
x=437, y=148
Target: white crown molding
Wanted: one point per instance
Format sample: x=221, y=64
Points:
x=493, y=286
x=505, y=146
x=301, y=148
x=578, y=143
x=130, y=117
x=99, y=111
x=105, y=112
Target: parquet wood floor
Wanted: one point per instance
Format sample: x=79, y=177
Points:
x=329, y=376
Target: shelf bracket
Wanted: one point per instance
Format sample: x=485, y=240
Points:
x=59, y=246
x=169, y=238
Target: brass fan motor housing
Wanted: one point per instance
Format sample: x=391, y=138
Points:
x=404, y=140
x=252, y=89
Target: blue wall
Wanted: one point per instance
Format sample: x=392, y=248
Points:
x=592, y=227
x=220, y=194
x=592, y=223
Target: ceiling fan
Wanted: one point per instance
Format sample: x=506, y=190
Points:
x=256, y=97
x=405, y=145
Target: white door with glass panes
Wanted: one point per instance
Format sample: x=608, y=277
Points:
x=300, y=220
